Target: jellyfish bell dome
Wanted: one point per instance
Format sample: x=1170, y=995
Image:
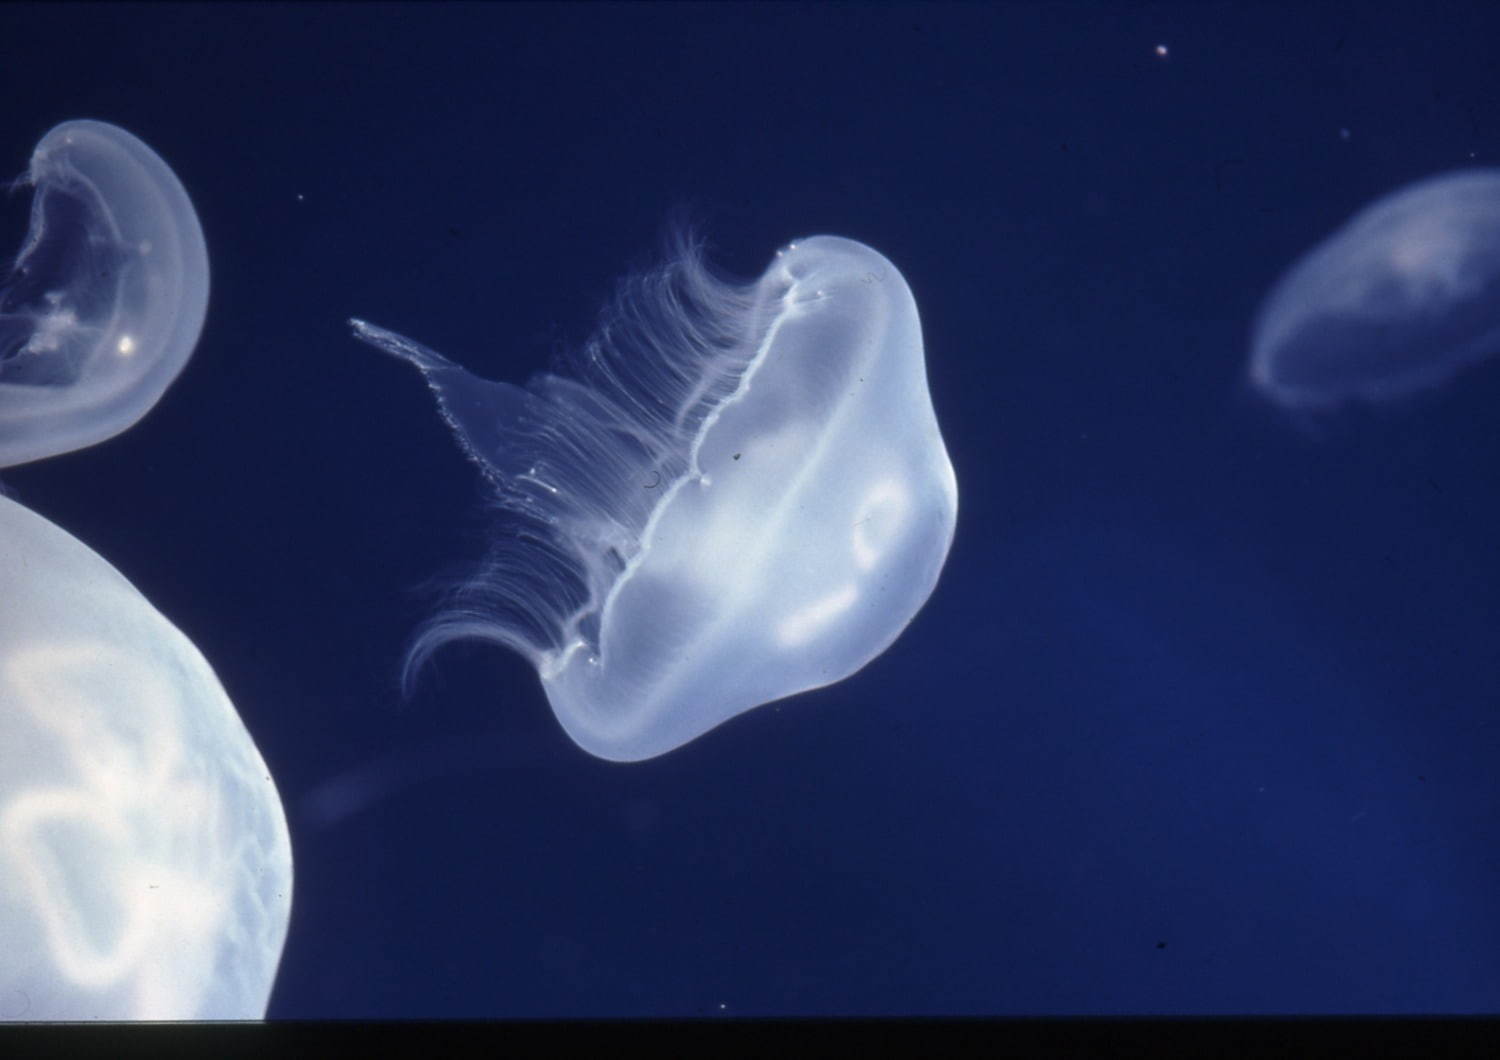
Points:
x=1399, y=300
x=741, y=493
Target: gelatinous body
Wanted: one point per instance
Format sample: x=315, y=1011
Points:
x=106, y=297
x=145, y=868
x=743, y=494
x=1403, y=296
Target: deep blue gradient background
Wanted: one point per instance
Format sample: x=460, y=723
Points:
x=1203, y=714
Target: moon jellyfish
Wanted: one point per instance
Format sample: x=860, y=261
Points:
x=145, y=869
x=1402, y=297
x=740, y=493
x=106, y=298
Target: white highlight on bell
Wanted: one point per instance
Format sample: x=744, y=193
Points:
x=811, y=621
x=879, y=522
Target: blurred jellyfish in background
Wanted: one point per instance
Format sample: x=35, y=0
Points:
x=145, y=867
x=741, y=494
x=1401, y=298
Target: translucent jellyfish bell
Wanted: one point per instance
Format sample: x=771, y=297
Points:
x=106, y=298
x=1402, y=297
x=145, y=869
x=743, y=495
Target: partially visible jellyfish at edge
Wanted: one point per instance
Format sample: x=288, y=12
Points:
x=105, y=301
x=145, y=865
x=740, y=494
x=1399, y=300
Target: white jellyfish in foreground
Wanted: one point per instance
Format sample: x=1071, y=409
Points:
x=742, y=495
x=145, y=867
x=1398, y=300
